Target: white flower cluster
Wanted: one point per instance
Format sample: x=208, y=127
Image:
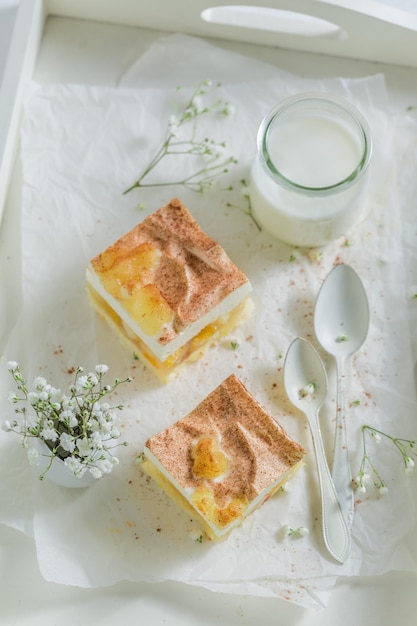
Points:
x=181, y=140
x=307, y=391
x=404, y=446
x=362, y=480
x=79, y=427
x=298, y=533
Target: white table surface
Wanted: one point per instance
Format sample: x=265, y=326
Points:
x=25, y=597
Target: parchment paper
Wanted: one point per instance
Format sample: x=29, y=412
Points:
x=81, y=147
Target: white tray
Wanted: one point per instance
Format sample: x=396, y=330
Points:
x=356, y=29
x=55, y=41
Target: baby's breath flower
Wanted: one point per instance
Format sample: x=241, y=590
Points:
x=409, y=465
x=39, y=383
x=96, y=472
x=300, y=531
x=33, y=397
x=67, y=442
x=49, y=434
x=342, y=338
x=105, y=466
x=405, y=447
x=78, y=428
x=228, y=109
x=83, y=446
x=316, y=255
x=174, y=127
x=13, y=398
x=75, y=465
x=196, y=536
x=307, y=390
x=114, y=432
x=360, y=482
x=65, y=414
x=82, y=383
x=92, y=379
x=198, y=104
x=96, y=440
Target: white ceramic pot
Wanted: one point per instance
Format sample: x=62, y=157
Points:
x=58, y=473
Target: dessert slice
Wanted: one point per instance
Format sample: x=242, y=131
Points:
x=223, y=460
x=168, y=289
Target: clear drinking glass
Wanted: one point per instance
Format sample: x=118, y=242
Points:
x=308, y=178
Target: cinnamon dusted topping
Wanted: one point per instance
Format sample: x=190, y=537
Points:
x=238, y=448
x=189, y=272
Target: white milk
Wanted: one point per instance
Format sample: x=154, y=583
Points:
x=313, y=151
x=307, y=179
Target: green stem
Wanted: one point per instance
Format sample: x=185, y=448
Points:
x=48, y=467
x=164, y=150
x=367, y=459
x=161, y=153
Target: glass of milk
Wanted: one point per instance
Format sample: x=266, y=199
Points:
x=307, y=180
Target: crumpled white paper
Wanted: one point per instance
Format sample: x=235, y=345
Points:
x=81, y=147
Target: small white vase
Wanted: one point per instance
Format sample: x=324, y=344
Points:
x=59, y=473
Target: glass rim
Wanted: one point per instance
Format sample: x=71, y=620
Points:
x=339, y=105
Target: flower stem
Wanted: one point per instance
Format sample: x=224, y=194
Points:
x=203, y=177
x=404, y=446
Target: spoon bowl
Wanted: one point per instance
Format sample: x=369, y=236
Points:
x=341, y=313
x=341, y=321
x=305, y=382
x=305, y=378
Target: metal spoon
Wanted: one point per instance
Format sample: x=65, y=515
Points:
x=305, y=382
x=341, y=321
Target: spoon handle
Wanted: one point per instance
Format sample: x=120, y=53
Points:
x=341, y=472
x=335, y=529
